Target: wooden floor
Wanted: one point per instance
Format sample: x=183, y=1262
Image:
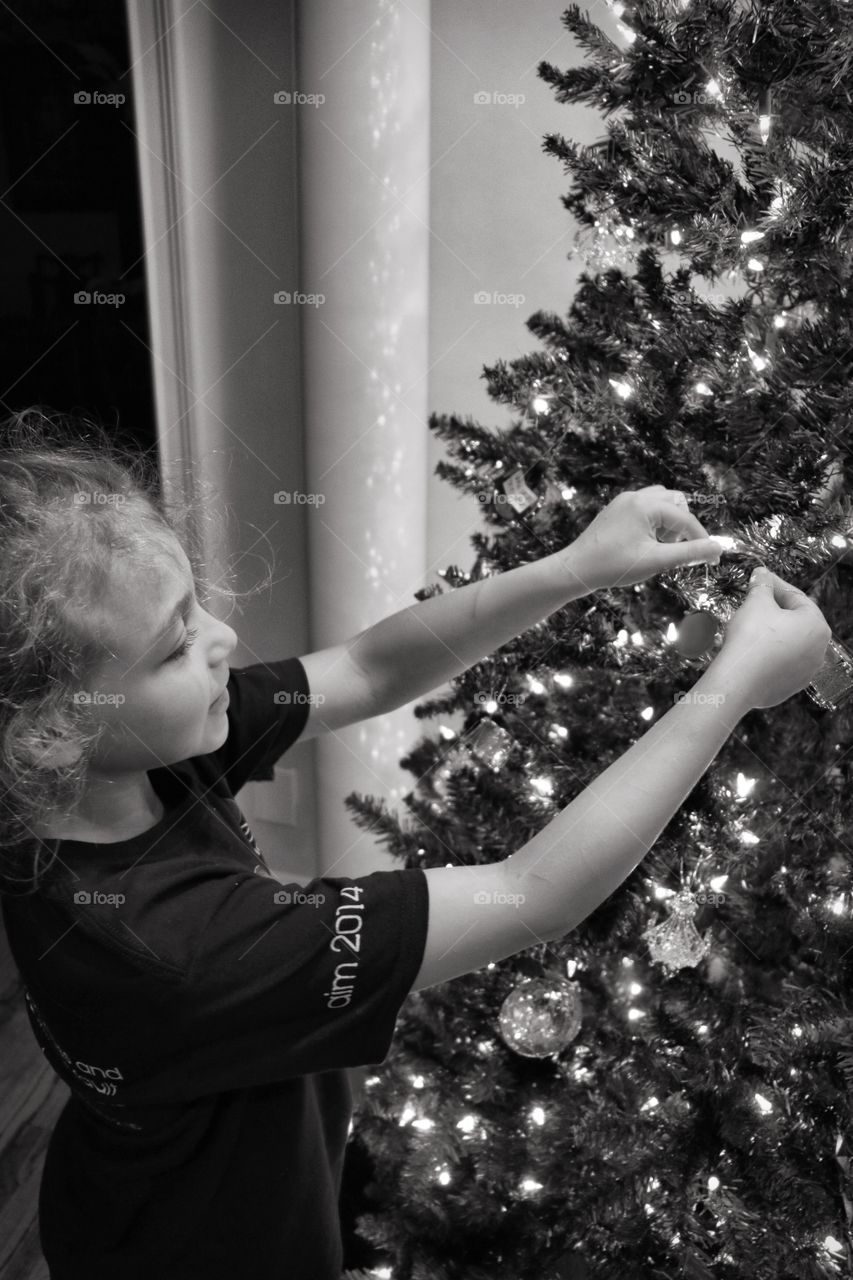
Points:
x=31, y=1098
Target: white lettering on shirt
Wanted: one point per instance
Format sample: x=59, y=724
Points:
x=347, y=936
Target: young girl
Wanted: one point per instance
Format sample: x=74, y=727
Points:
x=201, y=1012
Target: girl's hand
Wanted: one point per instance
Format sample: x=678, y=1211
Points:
x=621, y=546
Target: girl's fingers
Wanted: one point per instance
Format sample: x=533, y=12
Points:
x=677, y=521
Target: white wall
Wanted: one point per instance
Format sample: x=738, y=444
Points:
x=495, y=213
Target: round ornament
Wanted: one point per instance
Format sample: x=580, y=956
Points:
x=697, y=634
x=541, y=1016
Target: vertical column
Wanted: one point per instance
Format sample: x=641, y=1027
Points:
x=363, y=223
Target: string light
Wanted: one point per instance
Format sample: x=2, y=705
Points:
x=647, y=713
x=703, y=389
x=564, y=679
x=747, y=237
x=622, y=389
x=744, y=786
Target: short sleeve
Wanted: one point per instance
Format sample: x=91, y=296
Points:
x=267, y=710
x=289, y=979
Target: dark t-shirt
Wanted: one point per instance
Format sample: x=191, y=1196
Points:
x=202, y=1013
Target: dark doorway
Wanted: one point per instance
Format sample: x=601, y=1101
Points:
x=70, y=218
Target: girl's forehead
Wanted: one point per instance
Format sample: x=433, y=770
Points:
x=140, y=595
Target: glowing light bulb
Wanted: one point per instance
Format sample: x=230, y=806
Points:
x=671, y=633
x=748, y=237
x=838, y=540
x=542, y=405
x=621, y=638
x=764, y=127
x=530, y=1184
x=713, y=87
x=713, y=1183
x=764, y=1106
x=675, y=235
x=567, y=494
x=637, y=638
x=621, y=388
x=491, y=706
x=780, y=321
x=536, y=686
x=748, y=837
x=718, y=882
x=544, y=786
x=744, y=785
x=564, y=679
x=647, y=713
x=537, y=1115
x=467, y=1124
x=755, y=264
x=703, y=389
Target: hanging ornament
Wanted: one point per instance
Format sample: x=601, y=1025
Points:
x=677, y=943
x=490, y=743
x=541, y=1016
x=764, y=116
x=520, y=492
x=697, y=634
x=832, y=684
x=609, y=244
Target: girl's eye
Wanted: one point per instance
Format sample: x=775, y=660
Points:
x=192, y=634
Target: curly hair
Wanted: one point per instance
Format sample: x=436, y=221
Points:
x=71, y=499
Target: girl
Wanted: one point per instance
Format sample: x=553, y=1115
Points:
x=201, y=1012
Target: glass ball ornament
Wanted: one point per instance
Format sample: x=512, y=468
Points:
x=541, y=1016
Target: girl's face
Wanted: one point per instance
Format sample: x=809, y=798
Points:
x=169, y=663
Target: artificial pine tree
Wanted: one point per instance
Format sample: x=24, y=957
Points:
x=612, y=1105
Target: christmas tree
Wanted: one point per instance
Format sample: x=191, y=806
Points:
x=665, y=1091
